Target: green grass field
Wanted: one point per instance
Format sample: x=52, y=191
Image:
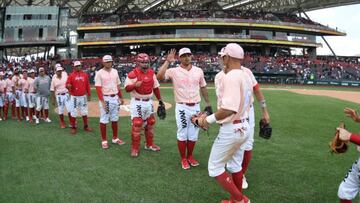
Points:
x=44, y=163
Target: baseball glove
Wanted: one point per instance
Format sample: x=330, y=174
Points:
x=208, y=110
x=161, y=111
x=265, y=129
x=198, y=120
x=338, y=146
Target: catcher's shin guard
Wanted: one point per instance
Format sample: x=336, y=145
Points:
x=137, y=123
x=149, y=131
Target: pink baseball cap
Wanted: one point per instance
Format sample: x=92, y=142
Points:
x=59, y=68
x=107, y=58
x=184, y=50
x=77, y=63
x=57, y=65
x=233, y=50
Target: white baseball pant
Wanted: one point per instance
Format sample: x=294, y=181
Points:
x=63, y=101
x=24, y=100
x=78, y=102
x=2, y=99
x=229, y=140
x=32, y=99
x=18, y=95
x=141, y=108
x=42, y=103
x=185, y=129
x=9, y=97
x=350, y=186
x=112, y=106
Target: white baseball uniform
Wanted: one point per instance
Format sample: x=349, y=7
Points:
x=18, y=92
x=233, y=93
x=9, y=92
x=32, y=93
x=187, y=84
x=61, y=93
x=109, y=82
x=350, y=186
x=24, y=85
x=2, y=92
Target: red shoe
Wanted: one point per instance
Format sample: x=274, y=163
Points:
x=87, y=129
x=62, y=125
x=244, y=200
x=185, y=164
x=134, y=153
x=73, y=131
x=104, y=145
x=192, y=161
x=118, y=141
x=153, y=148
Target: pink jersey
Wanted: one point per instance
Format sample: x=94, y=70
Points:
x=58, y=84
x=2, y=86
x=233, y=93
x=15, y=79
x=9, y=85
x=108, y=81
x=251, y=79
x=23, y=84
x=187, y=83
x=135, y=94
x=31, y=85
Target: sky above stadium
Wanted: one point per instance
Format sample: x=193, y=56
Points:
x=346, y=18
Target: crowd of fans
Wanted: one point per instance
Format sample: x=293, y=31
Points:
x=140, y=17
x=303, y=68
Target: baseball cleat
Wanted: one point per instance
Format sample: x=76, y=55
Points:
x=47, y=120
x=34, y=117
x=192, y=161
x=118, y=141
x=185, y=164
x=153, y=148
x=245, y=184
x=244, y=200
x=104, y=145
x=27, y=118
x=87, y=129
x=134, y=153
x=37, y=121
x=1, y=119
x=62, y=125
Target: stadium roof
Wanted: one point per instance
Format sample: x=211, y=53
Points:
x=80, y=7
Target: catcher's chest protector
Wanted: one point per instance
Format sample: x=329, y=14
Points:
x=148, y=81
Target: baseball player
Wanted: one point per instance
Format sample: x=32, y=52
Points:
x=188, y=81
x=142, y=84
x=245, y=152
x=9, y=100
x=350, y=186
x=2, y=95
x=42, y=89
x=24, y=86
x=107, y=83
x=234, y=93
x=31, y=95
x=78, y=85
x=62, y=98
x=18, y=92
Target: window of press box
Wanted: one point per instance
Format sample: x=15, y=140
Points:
x=20, y=33
x=8, y=17
x=27, y=16
x=41, y=31
x=49, y=17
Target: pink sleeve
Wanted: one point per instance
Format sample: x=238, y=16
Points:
x=156, y=82
x=230, y=98
x=202, y=79
x=98, y=79
x=169, y=73
x=52, y=86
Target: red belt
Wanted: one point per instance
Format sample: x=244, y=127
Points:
x=110, y=95
x=188, y=104
x=138, y=99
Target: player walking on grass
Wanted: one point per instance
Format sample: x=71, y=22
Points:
x=189, y=83
x=350, y=186
x=107, y=83
x=42, y=88
x=31, y=95
x=78, y=85
x=142, y=84
x=234, y=93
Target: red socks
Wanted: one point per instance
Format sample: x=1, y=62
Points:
x=238, y=178
x=226, y=182
x=62, y=118
x=345, y=201
x=18, y=113
x=103, y=131
x=114, y=126
x=182, y=148
x=85, y=119
x=190, y=148
x=246, y=160
x=46, y=113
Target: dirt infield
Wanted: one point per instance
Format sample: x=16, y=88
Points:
x=342, y=95
x=94, y=110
